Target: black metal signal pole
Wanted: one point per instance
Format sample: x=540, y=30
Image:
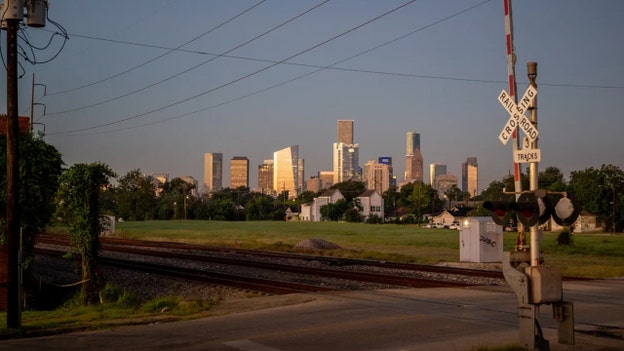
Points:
x=12, y=209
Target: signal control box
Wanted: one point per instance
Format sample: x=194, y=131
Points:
x=545, y=285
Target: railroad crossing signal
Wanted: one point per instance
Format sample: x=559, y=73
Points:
x=516, y=114
x=533, y=208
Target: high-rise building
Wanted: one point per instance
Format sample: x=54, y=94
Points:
x=435, y=169
x=213, y=172
x=470, y=176
x=346, y=154
x=346, y=163
x=285, y=171
x=345, y=131
x=387, y=160
x=239, y=172
x=413, y=158
x=377, y=176
x=301, y=184
x=314, y=184
x=265, y=177
x=444, y=182
x=327, y=179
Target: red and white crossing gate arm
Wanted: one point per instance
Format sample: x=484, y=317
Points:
x=511, y=74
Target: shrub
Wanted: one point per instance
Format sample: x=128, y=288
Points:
x=565, y=237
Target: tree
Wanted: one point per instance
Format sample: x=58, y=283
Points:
x=551, y=179
x=420, y=199
x=350, y=189
x=174, y=195
x=259, y=208
x=78, y=202
x=40, y=165
x=135, y=196
x=306, y=196
x=453, y=193
x=352, y=214
x=614, y=181
x=390, y=198
x=494, y=189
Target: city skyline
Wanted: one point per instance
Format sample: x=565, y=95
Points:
x=246, y=78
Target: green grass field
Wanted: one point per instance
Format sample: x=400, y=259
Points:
x=591, y=255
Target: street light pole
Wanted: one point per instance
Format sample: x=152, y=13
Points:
x=185, y=198
x=613, y=207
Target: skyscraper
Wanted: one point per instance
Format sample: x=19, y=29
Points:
x=213, y=172
x=470, y=176
x=285, y=171
x=239, y=172
x=377, y=176
x=435, y=169
x=413, y=158
x=346, y=162
x=265, y=177
x=346, y=154
x=345, y=131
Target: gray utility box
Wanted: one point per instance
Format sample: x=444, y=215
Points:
x=480, y=240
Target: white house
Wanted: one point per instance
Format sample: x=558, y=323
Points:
x=372, y=203
x=311, y=211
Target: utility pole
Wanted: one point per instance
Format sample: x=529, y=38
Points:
x=13, y=14
x=12, y=209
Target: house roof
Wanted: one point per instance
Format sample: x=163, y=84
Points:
x=455, y=212
x=330, y=192
x=367, y=193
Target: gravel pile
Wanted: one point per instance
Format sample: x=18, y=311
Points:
x=316, y=244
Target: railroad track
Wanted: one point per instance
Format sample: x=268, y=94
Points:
x=330, y=266
x=237, y=281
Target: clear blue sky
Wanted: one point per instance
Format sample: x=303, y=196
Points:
x=442, y=80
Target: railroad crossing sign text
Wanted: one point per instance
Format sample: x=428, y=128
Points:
x=527, y=156
x=517, y=116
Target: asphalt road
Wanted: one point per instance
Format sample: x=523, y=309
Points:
x=388, y=320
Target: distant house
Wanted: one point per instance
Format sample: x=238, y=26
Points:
x=291, y=216
x=585, y=223
x=311, y=211
x=372, y=204
x=455, y=214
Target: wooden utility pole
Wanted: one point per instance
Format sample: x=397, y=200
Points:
x=12, y=209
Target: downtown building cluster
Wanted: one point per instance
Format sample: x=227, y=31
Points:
x=284, y=174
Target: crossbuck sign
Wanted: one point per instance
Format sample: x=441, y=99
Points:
x=516, y=115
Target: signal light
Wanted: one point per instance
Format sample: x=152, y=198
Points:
x=566, y=211
x=544, y=209
x=501, y=210
x=527, y=209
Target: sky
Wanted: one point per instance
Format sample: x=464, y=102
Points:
x=154, y=84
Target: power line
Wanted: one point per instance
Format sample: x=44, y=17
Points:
x=253, y=59
x=198, y=65
x=320, y=68
x=169, y=51
x=245, y=76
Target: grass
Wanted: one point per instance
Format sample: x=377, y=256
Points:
x=591, y=255
x=123, y=308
